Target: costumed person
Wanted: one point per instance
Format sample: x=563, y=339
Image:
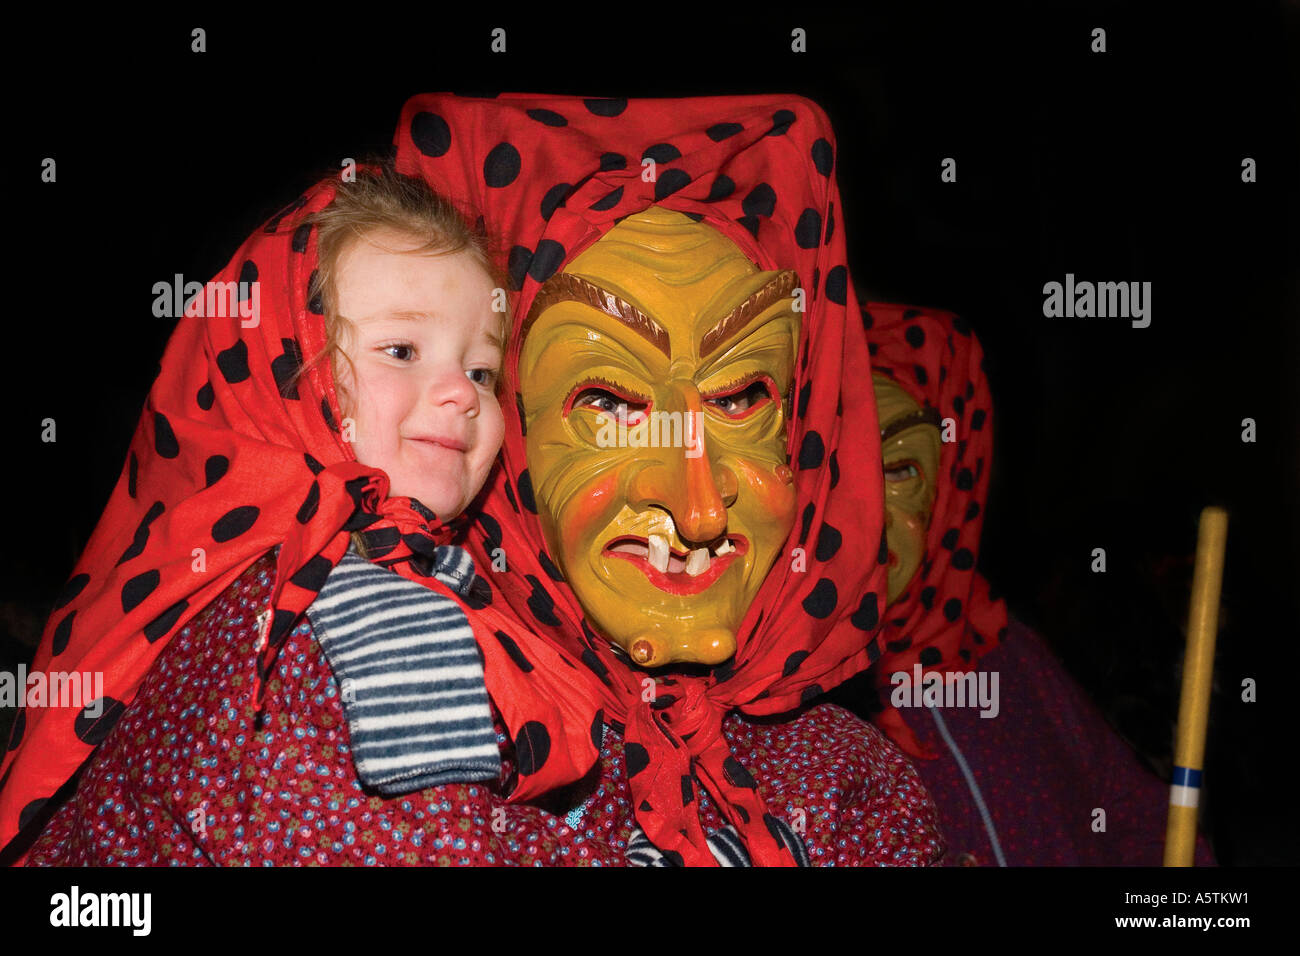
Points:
x=711, y=751
x=1023, y=762
x=680, y=266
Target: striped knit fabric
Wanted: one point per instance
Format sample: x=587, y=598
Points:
x=410, y=674
x=724, y=844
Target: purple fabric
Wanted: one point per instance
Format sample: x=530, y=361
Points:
x=1042, y=766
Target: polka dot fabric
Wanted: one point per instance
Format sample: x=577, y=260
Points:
x=185, y=778
x=946, y=619
x=233, y=456
x=554, y=174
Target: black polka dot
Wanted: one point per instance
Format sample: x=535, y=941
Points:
x=431, y=134
x=300, y=237
x=610, y=161
x=491, y=530
x=927, y=596
x=867, y=616
x=315, y=466
x=206, y=396
x=662, y=153
x=532, y=747
x=835, y=468
x=63, y=633
x=972, y=510
x=138, y=588
x=598, y=730
x=949, y=539
x=510, y=496
x=761, y=201
x=820, y=603
x=548, y=257
x=518, y=261
x=915, y=336
x=547, y=117
x=806, y=521
x=307, y=510
x=554, y=196
x=882, y=553
x=164, y=439
x=868, y=320
x=952, y=609
x=247, y=276
x=811, y=451
x=810, y=694
x=958, y=404
x=823, y=156
x=285, y=366
x=829, y=540
x=750, y=223
x=501, y=168
x=214, y=468
x=234, y=523
x=70, y=590
x=801, y=407
x=837, y=285
x=736, y=774
x=160, y=626
x=31, y=811
x=315, y=304
x=977, y=419
x=311, y=576
x=688, y=792
x=723, y=186
x=793, y=661
x=523, y=418
x=606, y=107
x=233, y=362
x=549, y=567
x=930, y=657
x=961, y=325
x=515, y=654
x=669, y=182
x=963, y=560
x=965, y=480
x=636, y=757
x=921, y=375
x=720, y=131
x=781, y=121
x=525, y=483
x=808, y=230
x=608, y=201
x=541, y=603
x=900, y=645
x=142, y=533
x=479, y=595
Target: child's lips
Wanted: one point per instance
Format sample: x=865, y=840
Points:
x=441, y=441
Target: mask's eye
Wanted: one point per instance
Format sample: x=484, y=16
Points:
x=902, y=471
x=626, y=410
x=738, y=402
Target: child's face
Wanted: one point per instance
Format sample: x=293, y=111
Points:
x=426, y=360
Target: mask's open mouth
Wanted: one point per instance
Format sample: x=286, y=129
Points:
x=677, y=571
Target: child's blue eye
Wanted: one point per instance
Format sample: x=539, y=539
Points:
x=489, y=376
x=390, y=349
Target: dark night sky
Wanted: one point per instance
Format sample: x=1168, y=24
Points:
x=1120, y=166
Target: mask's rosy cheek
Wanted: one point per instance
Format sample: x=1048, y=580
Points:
x=587, y=514
x=772, y=499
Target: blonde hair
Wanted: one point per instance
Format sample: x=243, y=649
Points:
x=381, y=198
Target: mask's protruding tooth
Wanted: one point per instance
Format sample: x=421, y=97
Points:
x=725, y=548
x=697, y=562
x=658, y=552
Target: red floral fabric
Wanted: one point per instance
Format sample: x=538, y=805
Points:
x=553, y=174
x=186, y=779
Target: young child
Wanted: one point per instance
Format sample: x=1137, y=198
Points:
x=259, y=487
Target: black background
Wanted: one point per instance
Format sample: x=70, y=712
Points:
x=1122, y=166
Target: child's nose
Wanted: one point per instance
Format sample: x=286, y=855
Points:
x=452, y=387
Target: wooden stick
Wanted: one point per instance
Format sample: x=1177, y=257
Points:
x=1198, y=671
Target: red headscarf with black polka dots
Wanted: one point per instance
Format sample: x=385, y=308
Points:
x=552, y=175
x=946, y=619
